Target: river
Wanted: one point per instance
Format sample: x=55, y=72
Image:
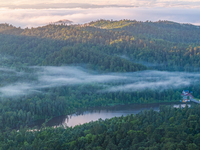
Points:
x=104, y=113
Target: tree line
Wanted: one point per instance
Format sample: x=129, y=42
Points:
x=170, y=128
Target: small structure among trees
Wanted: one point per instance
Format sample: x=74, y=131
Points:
x=187, y=96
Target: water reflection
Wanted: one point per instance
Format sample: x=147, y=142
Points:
x=105, y=113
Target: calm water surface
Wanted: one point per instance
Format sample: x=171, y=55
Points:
x=104, y=113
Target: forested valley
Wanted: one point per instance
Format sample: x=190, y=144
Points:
x=171, y=128
x=57, y=70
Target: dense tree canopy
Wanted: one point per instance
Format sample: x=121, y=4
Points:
x=171, y=128
x=102, y=46
x=175, y=46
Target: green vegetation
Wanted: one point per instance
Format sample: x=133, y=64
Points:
x=171, y=128
x=102, y=46
x=172, y=45
x=165, y=30
x=45, y=49
x=67, y=100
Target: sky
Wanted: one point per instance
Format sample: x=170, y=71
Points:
x=29, y=13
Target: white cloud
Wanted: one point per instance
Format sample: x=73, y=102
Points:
x=99, y=2
x=156, y=80
x=38, y=13
x=141, y=3
x=40, y=17
x=48, y=77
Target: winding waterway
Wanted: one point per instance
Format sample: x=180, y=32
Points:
x=104, y=113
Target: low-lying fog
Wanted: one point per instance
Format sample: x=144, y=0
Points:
x=47, y=77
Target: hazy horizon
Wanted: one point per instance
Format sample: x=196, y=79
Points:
x=26, y=13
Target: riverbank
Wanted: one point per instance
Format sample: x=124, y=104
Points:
x=81, y=110
x=106, y=112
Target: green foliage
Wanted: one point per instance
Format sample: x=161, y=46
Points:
x=100, y=46
x=152, y=130
x=171, y=45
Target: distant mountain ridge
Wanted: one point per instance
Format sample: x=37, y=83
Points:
x=164, y=42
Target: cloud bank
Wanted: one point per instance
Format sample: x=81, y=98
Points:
x=34, y=18
x=49, y=77
x=155, y=82
x=61, y=5
x=36, y=4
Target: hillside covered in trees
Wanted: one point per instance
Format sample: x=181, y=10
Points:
x=57, y=70
x=101, y=43
x=171, y=128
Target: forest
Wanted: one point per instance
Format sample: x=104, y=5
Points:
x=57, y=70
x=171, y=128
